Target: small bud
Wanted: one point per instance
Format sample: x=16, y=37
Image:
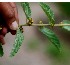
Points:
x=40, y=22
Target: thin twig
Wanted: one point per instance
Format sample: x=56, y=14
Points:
x=46, y=25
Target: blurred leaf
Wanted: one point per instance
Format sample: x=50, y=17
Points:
x=1, y=50
x=66, y=27
x=51, y=36
x=63, y=57
x=33, y=44
x=53, y=51
x=26, y=8
x=18, y=41
x=64, y=8
x=48, y=12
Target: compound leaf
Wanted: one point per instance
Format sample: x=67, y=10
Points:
x=1, y=50
x=66, y=27
x=48, y=12
x=26, y=8
x=18, y=41
x=51, y=36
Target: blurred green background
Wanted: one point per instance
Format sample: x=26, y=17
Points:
x=36, y=48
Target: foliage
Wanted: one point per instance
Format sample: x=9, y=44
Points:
x=1, y=50
x=26, y=9
x=46, y=31
x=66, y=27
x=18, y=41
x=48, y=12
x=51, y=36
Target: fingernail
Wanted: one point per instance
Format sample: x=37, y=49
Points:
x=14, y=26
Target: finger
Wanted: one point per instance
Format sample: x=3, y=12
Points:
x=13, y=5
x=8, y=13
x=13, y=32
x=2, y=20
x=4, y=31
x=2, y=39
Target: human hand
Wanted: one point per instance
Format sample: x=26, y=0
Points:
x=8, y=19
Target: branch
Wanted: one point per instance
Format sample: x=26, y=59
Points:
x=45, y=25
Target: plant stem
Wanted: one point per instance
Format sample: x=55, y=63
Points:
x=46, y=25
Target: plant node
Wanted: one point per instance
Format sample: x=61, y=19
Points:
x=30, y=22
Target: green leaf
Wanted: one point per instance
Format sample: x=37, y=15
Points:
x=48, y=12
x=26, y=8
x=1, y=50
x=18, y=41
x=51, y=36
x=66, y=27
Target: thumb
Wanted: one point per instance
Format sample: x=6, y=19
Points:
x=13, y=25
